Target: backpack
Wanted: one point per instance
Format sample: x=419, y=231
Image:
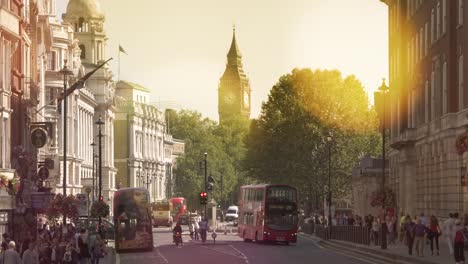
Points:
x=67, y=257
x=459, y=237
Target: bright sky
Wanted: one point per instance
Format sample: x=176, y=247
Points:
x=178, y=48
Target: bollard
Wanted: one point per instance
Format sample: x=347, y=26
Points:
x=214, y=235
x=225, y=230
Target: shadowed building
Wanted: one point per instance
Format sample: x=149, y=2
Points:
x=428, y=104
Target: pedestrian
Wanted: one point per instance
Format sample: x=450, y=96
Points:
x=10, y=256
x=375, y=230
x=191, y=228
x=31, y=255
x=196, y=229
x=419, y=235
x=434, y=233
x=409, y=233
x=402, y=226
x=391, y=230
x=448, y=231
x=68, y=255
x=83, y=247
x=98, y=250
x=459, y=242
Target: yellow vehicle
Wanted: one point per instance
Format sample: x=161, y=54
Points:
x=161, y=213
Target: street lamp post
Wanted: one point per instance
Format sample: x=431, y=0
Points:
x=330, y=222
x=206, y=172
x=100, y=123
x=94, y=188
x=383, y=89
x=65, y=72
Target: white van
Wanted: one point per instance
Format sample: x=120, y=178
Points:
x=232, y=213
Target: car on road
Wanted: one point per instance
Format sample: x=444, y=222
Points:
x=232, y=213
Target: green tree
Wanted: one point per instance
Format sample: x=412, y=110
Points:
x=224, y=145
x=287, y=144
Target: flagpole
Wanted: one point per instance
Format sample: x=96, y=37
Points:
x=118, y=77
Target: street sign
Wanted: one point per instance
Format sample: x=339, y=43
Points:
x=39, y=137
x=88, y=190
x=41, y=200
x=43, y=173
x=83, y=205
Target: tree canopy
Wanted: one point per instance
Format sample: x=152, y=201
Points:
x=288, y=143
x=225, y=147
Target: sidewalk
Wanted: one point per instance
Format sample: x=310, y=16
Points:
x=395, y=252
x=111, y=257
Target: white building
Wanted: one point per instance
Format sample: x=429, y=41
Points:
x=143, y=148
x=87, y=20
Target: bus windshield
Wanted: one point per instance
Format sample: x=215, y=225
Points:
x=281, y=208
x=132, y=218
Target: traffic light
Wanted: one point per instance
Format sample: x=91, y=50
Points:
x=203, y=198
x=101, y=198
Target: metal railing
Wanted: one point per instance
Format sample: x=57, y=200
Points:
x=353, y=234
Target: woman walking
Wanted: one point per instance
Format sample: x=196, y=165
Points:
x=434, y=233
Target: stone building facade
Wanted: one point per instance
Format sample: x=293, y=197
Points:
x=143, y=148
x=428, y=104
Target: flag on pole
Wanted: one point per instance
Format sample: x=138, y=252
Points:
x=122, y=50
x=80, y=83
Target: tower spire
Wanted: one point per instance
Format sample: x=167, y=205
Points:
x=234, y=51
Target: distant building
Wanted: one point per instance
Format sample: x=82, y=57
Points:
x=143, y=147
x=234, y=93
x=366, y=179
x=428, y=104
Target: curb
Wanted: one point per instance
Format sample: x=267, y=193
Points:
x=372, y=252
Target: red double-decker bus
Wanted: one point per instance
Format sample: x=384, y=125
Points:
x=179, y=207
x=268, y=212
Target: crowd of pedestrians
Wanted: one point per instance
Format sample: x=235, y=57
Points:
x=55, y=245
x=415, y=232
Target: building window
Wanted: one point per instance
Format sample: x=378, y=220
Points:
x=444, y=88
x=444, y=15
x=80, y=24
x=460, y=83
x=83, y=52
x=438, y=20
x=432, y=26
x=426, y=102
x=460, y=12
x=433, y=88
x=51, y=61
x=426, y=39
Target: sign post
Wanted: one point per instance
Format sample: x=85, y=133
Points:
x=83, y=206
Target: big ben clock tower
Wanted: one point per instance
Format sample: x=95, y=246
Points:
x=234, y=87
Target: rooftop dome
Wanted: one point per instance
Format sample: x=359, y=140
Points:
x=84, y=8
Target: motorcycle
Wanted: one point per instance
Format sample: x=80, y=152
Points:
x=178, y=238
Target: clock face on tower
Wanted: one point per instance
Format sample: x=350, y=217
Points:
x=246, y=99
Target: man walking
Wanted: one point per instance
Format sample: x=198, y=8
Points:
x=448, y=232
x=10, y=256
x=419, y=234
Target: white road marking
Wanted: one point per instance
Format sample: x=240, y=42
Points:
x=242, y=254
x=312, y=240
x=161, y=255
x=225, y=252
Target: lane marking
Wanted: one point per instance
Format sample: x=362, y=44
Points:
x=224, y=252
x=314, y=241
x=242, y=254
x=161, y=255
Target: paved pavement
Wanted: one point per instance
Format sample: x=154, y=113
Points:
x=231, y=249
x=393, y=254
